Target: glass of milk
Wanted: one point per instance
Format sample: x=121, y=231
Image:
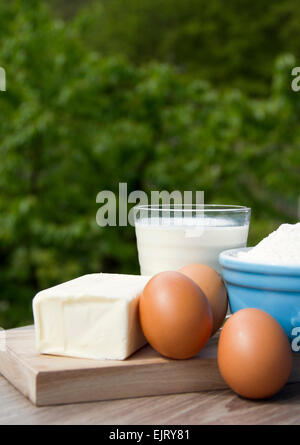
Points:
x=170, y=237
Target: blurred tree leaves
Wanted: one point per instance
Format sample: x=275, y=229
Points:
x=233, y=44
x=75, y=122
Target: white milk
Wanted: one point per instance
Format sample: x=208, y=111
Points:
x=171, y=243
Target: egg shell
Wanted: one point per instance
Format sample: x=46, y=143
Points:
x=175, y=315
x=214, y=288
x=254, y=354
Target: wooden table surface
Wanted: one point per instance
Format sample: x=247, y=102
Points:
x=212, y=407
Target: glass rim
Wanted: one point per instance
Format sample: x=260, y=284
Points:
x=193, y=208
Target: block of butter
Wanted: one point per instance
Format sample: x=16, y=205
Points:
x=94, y=316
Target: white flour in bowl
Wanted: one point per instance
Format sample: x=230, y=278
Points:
x=281, y=247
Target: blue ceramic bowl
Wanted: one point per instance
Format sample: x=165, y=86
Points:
x=272, y=288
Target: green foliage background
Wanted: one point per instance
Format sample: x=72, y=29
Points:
x=79, y=117
x=232, y=44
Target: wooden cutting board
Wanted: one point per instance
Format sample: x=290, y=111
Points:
x=51, y=380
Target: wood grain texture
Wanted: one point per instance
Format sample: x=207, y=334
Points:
x=50, y=380
x=221, y=407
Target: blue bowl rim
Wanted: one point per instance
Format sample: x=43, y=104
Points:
x=228, y=260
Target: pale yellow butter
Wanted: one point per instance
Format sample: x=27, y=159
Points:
x=94, y=316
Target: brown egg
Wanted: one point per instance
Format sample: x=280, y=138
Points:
x=254, y=354
x=175, y=315
x=213, y=286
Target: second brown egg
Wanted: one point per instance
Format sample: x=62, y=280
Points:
x=213, y=286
